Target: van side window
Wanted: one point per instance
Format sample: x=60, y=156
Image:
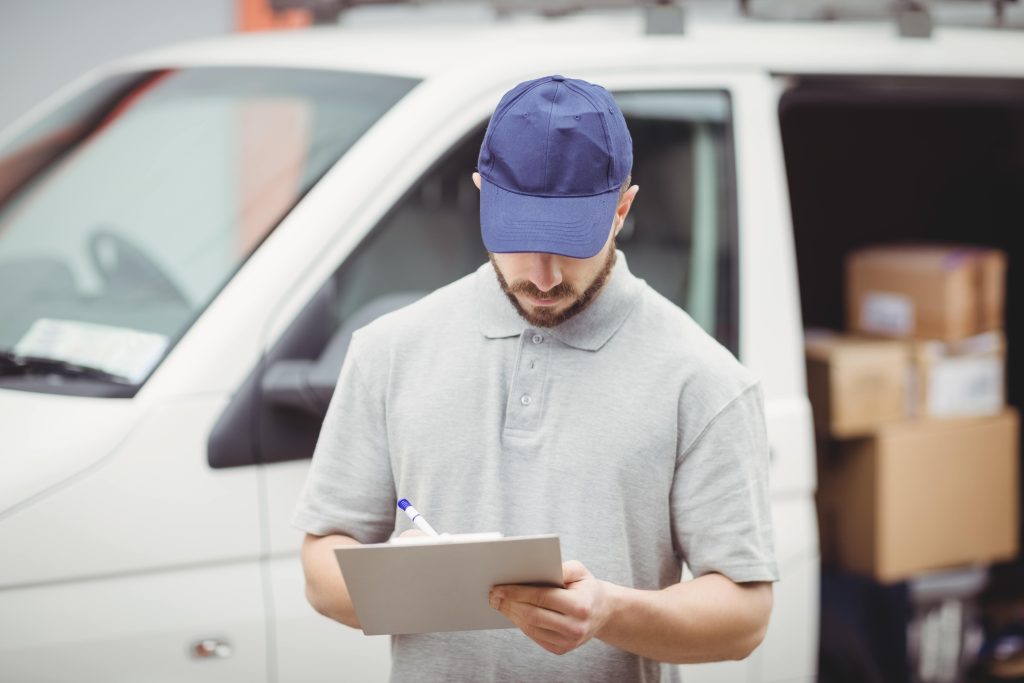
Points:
x=681, y=233
x=680, y=237
x=429, y=239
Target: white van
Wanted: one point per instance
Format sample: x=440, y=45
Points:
x=189, y=237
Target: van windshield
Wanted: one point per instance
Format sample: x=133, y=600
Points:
x=125, y=211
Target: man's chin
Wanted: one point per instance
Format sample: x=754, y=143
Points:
x=542, y=315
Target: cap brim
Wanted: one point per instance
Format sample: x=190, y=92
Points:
x=569, y=226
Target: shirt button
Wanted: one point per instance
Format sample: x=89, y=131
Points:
x=537, y=339
x=525, y=399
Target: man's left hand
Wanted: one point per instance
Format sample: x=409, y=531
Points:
x=558, y=619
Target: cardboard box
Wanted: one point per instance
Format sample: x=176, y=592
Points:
x=855, y=384
x=923, y=495
x=925, y=292
x=959, y=379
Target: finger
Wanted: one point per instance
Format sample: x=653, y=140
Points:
x=549, y=640
x=573, y=571
x=411, y=532
x=554, y=599
x=544, y=618
x=552, y=641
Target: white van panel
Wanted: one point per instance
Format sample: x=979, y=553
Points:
x=771, y=332
x=37, y=451
x=154, y=503
x=715, y=672
x=791, y=439
x=126, y=629
x=790, y=648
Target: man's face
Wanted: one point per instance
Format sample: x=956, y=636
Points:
x=548, y=289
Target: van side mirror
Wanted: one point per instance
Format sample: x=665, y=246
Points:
x=277, y=412
x=308, y=385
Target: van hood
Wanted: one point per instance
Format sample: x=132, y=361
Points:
x=47, y=438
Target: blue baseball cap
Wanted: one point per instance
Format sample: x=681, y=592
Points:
x=554, y=157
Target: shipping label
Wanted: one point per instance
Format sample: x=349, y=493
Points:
x=887, y=313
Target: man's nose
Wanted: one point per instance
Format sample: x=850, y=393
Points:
x=545, y=272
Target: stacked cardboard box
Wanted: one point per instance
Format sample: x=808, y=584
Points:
x=925, y=292
x=922, y=494
x=917, y=450
x=855, y=384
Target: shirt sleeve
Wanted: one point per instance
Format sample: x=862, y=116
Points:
x=350, y=488
x=721, y=512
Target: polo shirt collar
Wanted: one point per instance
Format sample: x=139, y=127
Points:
x=588, y=330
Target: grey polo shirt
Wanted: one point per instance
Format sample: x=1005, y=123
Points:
x=627, y=430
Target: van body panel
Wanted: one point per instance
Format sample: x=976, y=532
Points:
x=125, y=566
x=151, y=504
x=127, y=628
x=48, y=438
x=783, y=656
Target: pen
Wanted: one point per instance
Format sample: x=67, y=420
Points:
x=416, y=518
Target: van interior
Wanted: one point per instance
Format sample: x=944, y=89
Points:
x=883, y=161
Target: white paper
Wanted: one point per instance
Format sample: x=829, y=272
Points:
x=969, y=385
x=447, y=538
x=120, y=351
x=887, y=313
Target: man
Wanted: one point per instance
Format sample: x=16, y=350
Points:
x=554, y=392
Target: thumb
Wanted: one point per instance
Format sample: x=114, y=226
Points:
x=573, y=571
x=411, y=532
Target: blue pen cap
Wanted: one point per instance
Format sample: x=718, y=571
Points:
x=403, y=503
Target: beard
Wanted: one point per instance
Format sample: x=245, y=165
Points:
x=545, y=317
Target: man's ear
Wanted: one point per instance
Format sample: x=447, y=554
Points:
x=476, y=179
x=622, y=210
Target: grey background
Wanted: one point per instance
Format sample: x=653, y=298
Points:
x=45, y=44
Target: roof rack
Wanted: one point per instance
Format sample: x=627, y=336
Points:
x=913, y=18
x=662, y=16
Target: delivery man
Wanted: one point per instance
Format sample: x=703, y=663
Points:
x=552, y=391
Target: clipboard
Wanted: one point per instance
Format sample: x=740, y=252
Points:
x=442, y=583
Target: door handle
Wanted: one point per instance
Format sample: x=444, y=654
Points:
x=211, y=648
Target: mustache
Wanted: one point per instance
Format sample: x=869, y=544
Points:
x=559, y=291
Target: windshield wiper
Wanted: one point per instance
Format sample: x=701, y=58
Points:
x=14, y=364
